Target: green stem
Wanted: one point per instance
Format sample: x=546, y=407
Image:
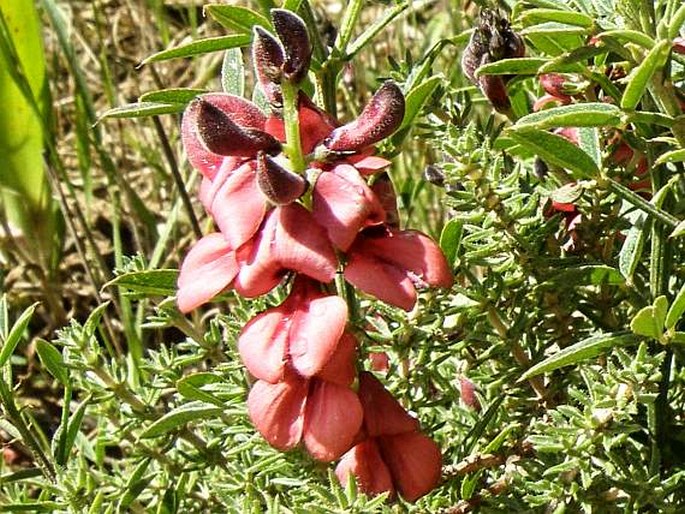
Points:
x=642, y=204
x=293, y=147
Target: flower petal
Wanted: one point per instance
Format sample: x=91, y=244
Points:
x=238, y=206
x=301, y=245
x=277, y=411
x=333, y=416
x=208, y=268
x=344, y=204
x=414, y=461
x=380, y=279
x=314, y=333
x=365, y=463
x=263, y=344
x=340, y=368
x=383, y=415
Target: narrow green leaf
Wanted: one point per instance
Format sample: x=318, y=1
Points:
x=51, y=358
x=450, y=239
x=588, y=141
x=233, y=72
x=179, y=95
x=18, y=476
x=389, y=15
x=141, y=109
x=180, y=416
x=593, y=114
x=640, y=77
x=660, y=310
x=190, y=387
x=135, y=485
x=74, y=426
x=585, y=275
x=676, y=23
x=15, y=335
x=567, y=17
x=631, y=251
x=93, y=321
x=160, y=282
x=581, y=351
x=645, y=323
x=416, y=98
x=200, y=46
x=556, y=150
x=629, y=36
x=672, y=156
x=573, y=60
x=679, y=230
x=552, y=28
x=678, y=337
x=520, y=66
x=650, y=118
x=675, y=312
x=240, y=19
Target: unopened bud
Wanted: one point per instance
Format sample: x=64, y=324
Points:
x=268, y=58
x=279, y=185
x=224, y=137
x=380, y=118
x=292, y=32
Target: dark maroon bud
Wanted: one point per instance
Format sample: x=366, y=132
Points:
x=292, y=32
x=279, y=185
x=679, y=45
x=492, y=40
x=224, y=137
x=380, y=118
x=434, y=175
x=540, y=168
x=268, y=58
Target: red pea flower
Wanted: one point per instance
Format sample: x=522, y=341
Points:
x=391, y=264
x=322, y=411
x=303, y=332
x=393, y=455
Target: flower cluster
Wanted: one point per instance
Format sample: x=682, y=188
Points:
x=298, y=207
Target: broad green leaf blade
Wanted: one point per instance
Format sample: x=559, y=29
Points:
x=660, y=310
x=556, y=150
x=201, y=46
x=569, y=61
x=567, y=17
x=235, y=17
x=179, y=95
x=520, y=66
x=676, y=22
x=631, y=251
x=141, y=109
x=594, y=114
x=675, y=312
x=552, y=28
x=51, y=358
x=645, y=323
x=640, y=77
x=416, y=98
x=180, y=416
x=233, y=72
x=581, y=351
x=450, y=239
x=160, y=282
x=15, y=335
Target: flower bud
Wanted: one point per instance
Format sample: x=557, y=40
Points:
x=279, y=185
x=492, y=40
x=268, y=57
x=224, y=137
x=292, y=32
x=380, y=118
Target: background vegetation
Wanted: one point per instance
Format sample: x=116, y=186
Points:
x=571, y=335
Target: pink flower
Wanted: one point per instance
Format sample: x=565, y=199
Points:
x=343, y=204
x=391, y=264
x=379, y=361
x=393, y=456
x=302, y=332
x=322, y=412
x=290, y=240
x=209, y=267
